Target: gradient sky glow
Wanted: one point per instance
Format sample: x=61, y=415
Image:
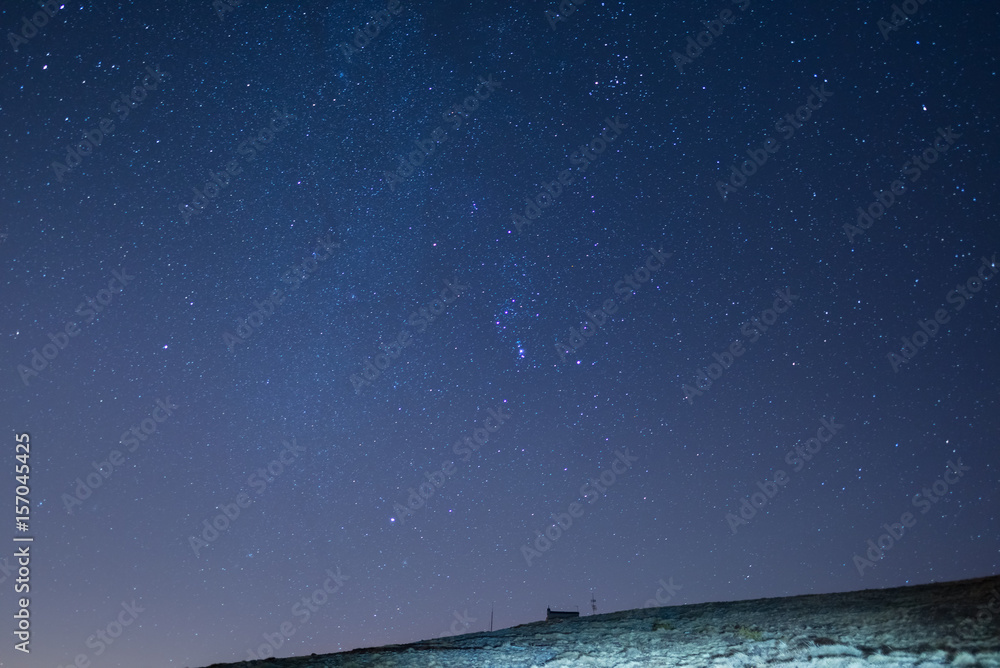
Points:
x=382, y=389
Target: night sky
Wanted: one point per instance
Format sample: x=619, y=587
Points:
x=327, y=340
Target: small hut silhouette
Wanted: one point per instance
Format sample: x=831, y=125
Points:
x=559, y=614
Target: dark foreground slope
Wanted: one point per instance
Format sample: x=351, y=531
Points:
x=947, y=624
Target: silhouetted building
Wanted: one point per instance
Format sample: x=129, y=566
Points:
x=559, y=614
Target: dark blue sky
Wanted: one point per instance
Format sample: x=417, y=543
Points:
x=384, y=391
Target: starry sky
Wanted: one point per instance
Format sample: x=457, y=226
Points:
x=326, y=339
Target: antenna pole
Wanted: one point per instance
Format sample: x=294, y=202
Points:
x=491, y=617
x=593, y=602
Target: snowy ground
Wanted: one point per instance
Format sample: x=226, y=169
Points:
x=931, y=625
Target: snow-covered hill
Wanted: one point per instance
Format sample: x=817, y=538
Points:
x=948, y=624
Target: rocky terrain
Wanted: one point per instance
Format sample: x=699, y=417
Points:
x=947, y=624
